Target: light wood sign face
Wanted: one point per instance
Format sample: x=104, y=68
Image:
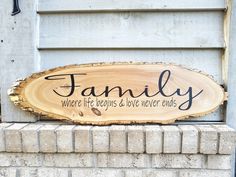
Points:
x=120, y=93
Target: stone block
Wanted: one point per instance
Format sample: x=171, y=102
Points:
x=154, y=137
x=83, y=139
x=13, y=137
x=47, y=138
x=136, y=139
x=172, y=139
x=65, y=138
x=118, y=139
x=30, y=138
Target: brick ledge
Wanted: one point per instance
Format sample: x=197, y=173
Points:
x=148, y=139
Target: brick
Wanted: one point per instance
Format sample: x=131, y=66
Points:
x=141, y=160
x=65, y=138
x=83, y=139
x=126, y=160
x=135, y=139
x=208, y=139
x=46, y=172
x=12, y=172
x=151, y=173
x=28, y=172
x=25, y=159
x=97, y=173
x=102, y=160
x=227, y=139
x=30, y=138
x=53, y=172
x=47, y=138
x=160, y=173
x=190, y=139
x=20, y=160
x=172, y=139
x=204, y=173
x=9, y=172
x=133, y=173
x=3, y=172
x=118, y=139
x=100, y=139
x=4, y=160
x=123, y=160
x=62, y=172
x=219, y=162
x=120, y=160
x=13, y=137
x=69, y=160
x=154, y=137
x=2, y=137
x=178, y=161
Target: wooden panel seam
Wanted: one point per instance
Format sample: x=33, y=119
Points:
x=94, y=5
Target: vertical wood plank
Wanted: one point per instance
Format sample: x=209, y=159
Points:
x=230, y=74
x=231, y=111
x=17, y=52
x=225, y=55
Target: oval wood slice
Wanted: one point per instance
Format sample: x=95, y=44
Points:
x=120, y=93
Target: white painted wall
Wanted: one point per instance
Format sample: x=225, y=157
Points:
x=132, y=30
x=185, y=32
x=17, y=53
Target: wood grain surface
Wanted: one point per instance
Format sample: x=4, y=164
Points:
x=118, y=93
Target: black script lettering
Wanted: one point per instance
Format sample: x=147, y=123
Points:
x=88, y=102
x=161, y=85
x=132, y=103
x=150, y=103
x=90, y=90
x=121, y=93
x=169, y=103
x=60, y=77
x=105, y=103
x=71, y=103
x=189, y=102
x=189, y=92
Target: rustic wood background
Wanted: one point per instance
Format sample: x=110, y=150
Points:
x=37, y=95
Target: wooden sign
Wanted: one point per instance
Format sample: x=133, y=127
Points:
x=120, y=93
